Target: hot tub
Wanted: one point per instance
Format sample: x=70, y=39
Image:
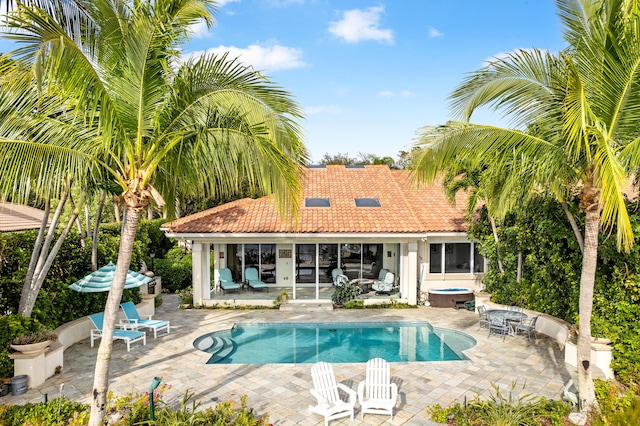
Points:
x=452, y=297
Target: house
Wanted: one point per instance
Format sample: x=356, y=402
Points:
x=356, y=218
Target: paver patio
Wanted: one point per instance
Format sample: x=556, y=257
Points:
x=282, y=390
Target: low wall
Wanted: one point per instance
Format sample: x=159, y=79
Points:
x=43, y=365
x=560, y=331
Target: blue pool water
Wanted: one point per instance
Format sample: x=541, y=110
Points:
x=298, y=343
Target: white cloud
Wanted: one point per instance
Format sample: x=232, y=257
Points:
x=221, y=3
x=330, y=109
x=407, y=94
x=270, y=58
x=400, y=94
x=200, y=30
x=283, y=3
x=357, y=25
x=434, y=33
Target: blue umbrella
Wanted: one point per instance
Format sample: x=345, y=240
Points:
x=101, y=280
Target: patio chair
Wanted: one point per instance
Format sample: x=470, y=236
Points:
x=382, y=274
x=483, y=321
x=326, y=391
x=377, y=395
x=341, y=280
x=253, y=279
x=226, y=281
x=129, y=336
x=498, y=325
x=334, y=274
x=135, y=321
x=528, y=326
x=385, y=286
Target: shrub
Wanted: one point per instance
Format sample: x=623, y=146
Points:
x=186, y=296
x=56, y=412
x=175, y=270
x=618, y=404
x=346, y=292
x=501, y=410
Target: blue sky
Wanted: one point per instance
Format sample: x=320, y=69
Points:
x=369, y=74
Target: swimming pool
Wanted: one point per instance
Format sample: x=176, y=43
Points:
x=299, y=343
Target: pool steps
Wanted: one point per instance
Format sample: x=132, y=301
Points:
x=218, y=347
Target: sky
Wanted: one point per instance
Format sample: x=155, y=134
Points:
x=369, y=74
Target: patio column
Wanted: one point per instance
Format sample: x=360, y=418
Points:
x=200, y=271
x=410, y=275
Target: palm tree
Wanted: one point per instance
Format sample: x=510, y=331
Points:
x=587, y=99
x=210, y=124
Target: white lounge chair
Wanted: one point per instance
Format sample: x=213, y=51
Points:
x=129, y=336
x=385, y=286
x=377, y=394
x=134, y=321
x=325, y=389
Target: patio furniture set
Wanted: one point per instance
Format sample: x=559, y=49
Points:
x=128, y=328
x=377, y=395
x=507, y=322
x=252, y=281
x=384, y=284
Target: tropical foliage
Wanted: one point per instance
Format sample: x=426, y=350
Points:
x=549, y=281
x=132, y=111
x=500, y=409
x=580, y=107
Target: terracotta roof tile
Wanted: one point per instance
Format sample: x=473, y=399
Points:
x=404, y=208
x=17, y=217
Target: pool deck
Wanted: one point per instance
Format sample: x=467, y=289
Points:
x=282, y=390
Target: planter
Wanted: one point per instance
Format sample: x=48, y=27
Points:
x=32, y=348
x=600, y=357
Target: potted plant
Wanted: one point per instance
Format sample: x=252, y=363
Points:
x=345, y=292
x=33, y=342
x=281, y=299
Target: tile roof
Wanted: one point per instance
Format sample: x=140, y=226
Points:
x=404, y=207
x=17, y=217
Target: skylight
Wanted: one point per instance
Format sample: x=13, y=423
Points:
x=317, y=166
x=354, y=166
x=317, y=202
x=367, y=202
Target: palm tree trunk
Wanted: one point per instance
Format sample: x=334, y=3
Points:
x=46, y=257
x=586, y=390
x=96, y=227
x=519, y=270
x=35, y=255
x=101, y=375
x=116, y=209
x=574, y=225
x=494, y=228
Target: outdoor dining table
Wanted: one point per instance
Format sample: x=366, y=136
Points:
x=510, y=317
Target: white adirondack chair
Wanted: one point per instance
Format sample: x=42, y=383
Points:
x=325, y=389
x=377, y=394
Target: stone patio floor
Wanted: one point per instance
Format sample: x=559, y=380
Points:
x=282, y=390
